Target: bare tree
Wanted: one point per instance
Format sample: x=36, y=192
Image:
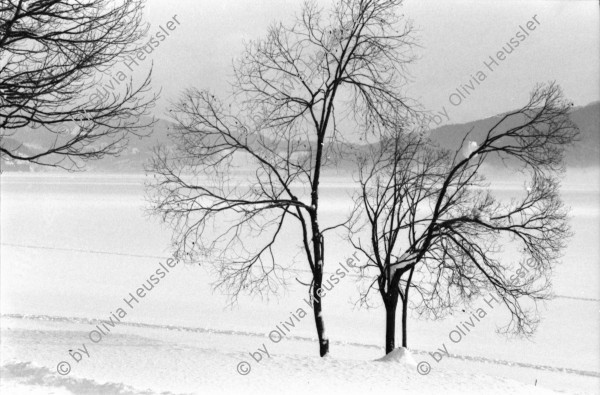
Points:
x=281, y=126
x=434, y=225
x=52, y=55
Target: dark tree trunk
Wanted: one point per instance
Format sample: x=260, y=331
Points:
x=318, y=308
x=319, y=252
x=404, y=320
x=390, y=322
x=405, y=308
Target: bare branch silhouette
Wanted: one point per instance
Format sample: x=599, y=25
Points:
x=434, y=225
x=279, y=132
x=52, y=55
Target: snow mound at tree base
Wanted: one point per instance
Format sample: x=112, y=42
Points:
x=399, y=355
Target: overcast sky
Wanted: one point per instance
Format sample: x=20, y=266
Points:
x=456, y=38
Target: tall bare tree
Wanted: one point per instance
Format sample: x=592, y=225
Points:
x=281, y=125
x=53, y=54
x=434, y=225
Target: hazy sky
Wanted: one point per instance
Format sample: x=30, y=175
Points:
x=456, y=38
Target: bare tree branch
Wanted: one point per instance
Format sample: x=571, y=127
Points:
x=52, y=53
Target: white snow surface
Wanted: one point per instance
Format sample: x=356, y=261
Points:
x=173, y=361
x=73, y=247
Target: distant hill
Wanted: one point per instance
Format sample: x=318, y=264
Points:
x=584, y=153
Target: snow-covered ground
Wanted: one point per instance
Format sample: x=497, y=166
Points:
x=73, y=247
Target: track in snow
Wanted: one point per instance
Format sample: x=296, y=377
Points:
x=165, y=258
x=87, y=321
